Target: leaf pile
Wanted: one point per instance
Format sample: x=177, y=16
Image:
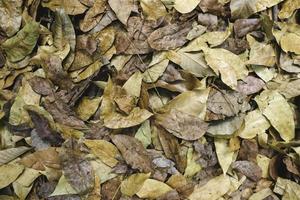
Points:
x=149, y=99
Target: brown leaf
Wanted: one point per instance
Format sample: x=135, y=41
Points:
x=41, y=85
x=41, y=159
x=171, y=74
x=169, y=37
x=291, y=166
x=77, y=170
x=171, y=148
x=235, y=45
x=250, y=85
x=244, y=26
x=135, y=40
x=212, y=6
x=248, y=151
x=182, y=125
x=133, y=152
x=222, y=103
x=111, y=189
x=63, y=114
x=249, y=169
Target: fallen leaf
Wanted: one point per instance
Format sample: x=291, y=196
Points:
x=254, y=123
x=229, y=65
x=87, y=107
x=185, y=6
x=122, y=9
x=153, y=9
x=9, y=173
x=244, y=26
x=261, y=54
x=169, y=37
x=104, y=150
x=153, y=189
x=182, y=125
x=131, y=185
x=213, y=189
x=22, y=44
x=288, y=8
x=144, y=133
x=7, y=155
x=11, y=14
x=250, y=85
x=133, y=152
x=249, y=169
x=277, y=110
x=224, y=153
x=72, y=7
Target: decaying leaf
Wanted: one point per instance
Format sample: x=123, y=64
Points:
x=122, y=9
x=133, y=152
x=249, y=169
x=182, y=125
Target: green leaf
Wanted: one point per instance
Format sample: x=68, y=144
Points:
x=22, y=43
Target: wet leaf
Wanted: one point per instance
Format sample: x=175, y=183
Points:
x=277, y=110
x=182, y=125
x=153, y=189
x=133, y=183
x=22, y=44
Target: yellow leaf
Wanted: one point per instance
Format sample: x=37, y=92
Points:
x=153, y=189
x=224, y=154
x=254, y=124
x=192, y=167
x=106, y=151
x=153, y=9
x=212, y=190
x=63, y=187
x=288, y=8
x=229, y=65
x=277, y=110
x=87, y=107
x=9, y=173
x=263, y=162
x=131, y=185
x=72, y=7
x=133, y=84
x=185, y=6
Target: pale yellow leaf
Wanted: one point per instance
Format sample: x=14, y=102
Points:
x=104, y=150
x=9, y=173
x=153, y=189
x=131, y=185
x=212, y=190
x=185, y=6
x=224, y=154
x=254, y=123
x=277, y=110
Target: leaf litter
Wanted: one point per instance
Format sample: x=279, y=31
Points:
x=149, y=99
